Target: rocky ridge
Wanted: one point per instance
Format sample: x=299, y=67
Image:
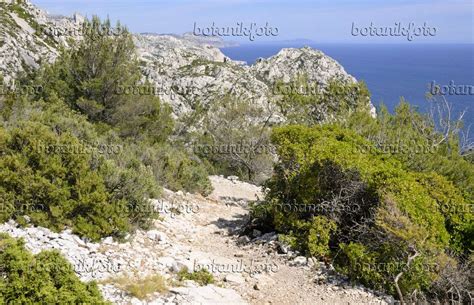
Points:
x=183, y=69
x=30, y=36
x=185, y=72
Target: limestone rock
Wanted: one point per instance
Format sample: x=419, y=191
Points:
x=182, y=69
x=208, y=295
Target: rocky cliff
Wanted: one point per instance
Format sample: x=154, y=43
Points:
x=183, y=69
x=30, y=36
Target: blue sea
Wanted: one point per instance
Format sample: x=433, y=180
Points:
x=392, y=71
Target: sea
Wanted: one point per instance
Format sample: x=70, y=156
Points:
x=393, y=71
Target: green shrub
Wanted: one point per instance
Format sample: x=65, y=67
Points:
x=176, y=169
x=368, y=205
x=359, y=265
x=316, y=105
x=458, y=214
x=319, y=235
x=88, y=75
x=202, y=277
x=47, y=177
x=45, y=278
x=92, y=78
x=418, y=143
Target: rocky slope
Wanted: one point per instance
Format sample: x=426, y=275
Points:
x=29, y=36
x=206, y=234
x=185, y=72
x=183, y=69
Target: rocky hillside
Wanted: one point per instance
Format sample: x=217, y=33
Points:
x=182, y=69
x=29, y=36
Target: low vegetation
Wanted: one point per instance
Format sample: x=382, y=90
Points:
x=80, y=155
x=202, y=277
x=42, y=278
x=376, y=209
x=140, y=288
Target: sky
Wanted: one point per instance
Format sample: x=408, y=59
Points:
x=324, y=21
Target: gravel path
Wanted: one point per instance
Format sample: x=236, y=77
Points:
x=253, y=266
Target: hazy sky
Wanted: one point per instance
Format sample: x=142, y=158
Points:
x=318, y=20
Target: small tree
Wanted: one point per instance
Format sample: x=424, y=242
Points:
x=453, y=133
x=100, y=77
x=236, y=138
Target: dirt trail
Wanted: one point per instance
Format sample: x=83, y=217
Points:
x=254, y=268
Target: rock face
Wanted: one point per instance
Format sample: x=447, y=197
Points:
x=185, y=72
x=29, y=36
x=288, y=63
x=183, y=69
